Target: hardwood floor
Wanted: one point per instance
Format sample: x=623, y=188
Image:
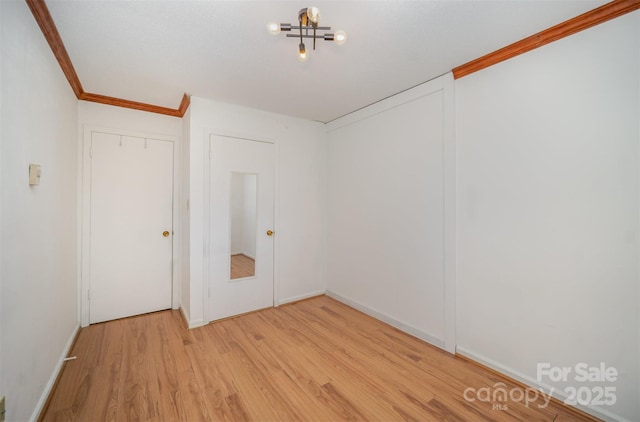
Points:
x=315, y=360
x=242, y=266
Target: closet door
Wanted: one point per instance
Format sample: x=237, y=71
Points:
x=131, y=226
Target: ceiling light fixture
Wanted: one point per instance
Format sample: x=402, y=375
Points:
x=308, y=22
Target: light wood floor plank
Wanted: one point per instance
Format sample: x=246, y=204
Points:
x=315, y=360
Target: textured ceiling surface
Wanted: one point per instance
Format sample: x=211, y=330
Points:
x=154, y=51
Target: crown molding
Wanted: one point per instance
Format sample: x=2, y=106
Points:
x=119, y=102
x=47, y=26
x=589, y=19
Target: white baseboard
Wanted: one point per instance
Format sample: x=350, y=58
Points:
x=197, y=323
x=54, y=375
x=184, y=315
x=191, y=324
x=301, y=297
x=389, y=320
x=525, y=379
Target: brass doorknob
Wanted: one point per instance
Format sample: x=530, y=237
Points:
x=165, y=233
x=269, y=233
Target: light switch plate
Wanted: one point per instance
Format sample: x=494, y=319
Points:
x=34, y=174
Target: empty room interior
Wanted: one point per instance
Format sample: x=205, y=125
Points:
x=339, y=210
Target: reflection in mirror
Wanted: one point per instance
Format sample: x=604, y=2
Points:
x=243, y=224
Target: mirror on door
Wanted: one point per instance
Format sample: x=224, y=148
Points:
x=242, y=213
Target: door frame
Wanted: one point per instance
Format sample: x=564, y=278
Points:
x=85, y=214
x=206, y=273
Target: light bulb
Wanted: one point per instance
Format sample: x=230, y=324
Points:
x=313, y=14
x=340, y=37
x=302, y=53
x=274, y=28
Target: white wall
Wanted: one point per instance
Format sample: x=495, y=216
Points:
x=548, y=162
x=300, y=190
x=236, y=213
x=242, y=214
x=249, y=186
x=39, y=302
x=387, y=209
x=102, y=115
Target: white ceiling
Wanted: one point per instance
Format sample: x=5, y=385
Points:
x=154, y=51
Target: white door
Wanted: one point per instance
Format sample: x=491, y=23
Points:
x=241, y=206
x=131, y=235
